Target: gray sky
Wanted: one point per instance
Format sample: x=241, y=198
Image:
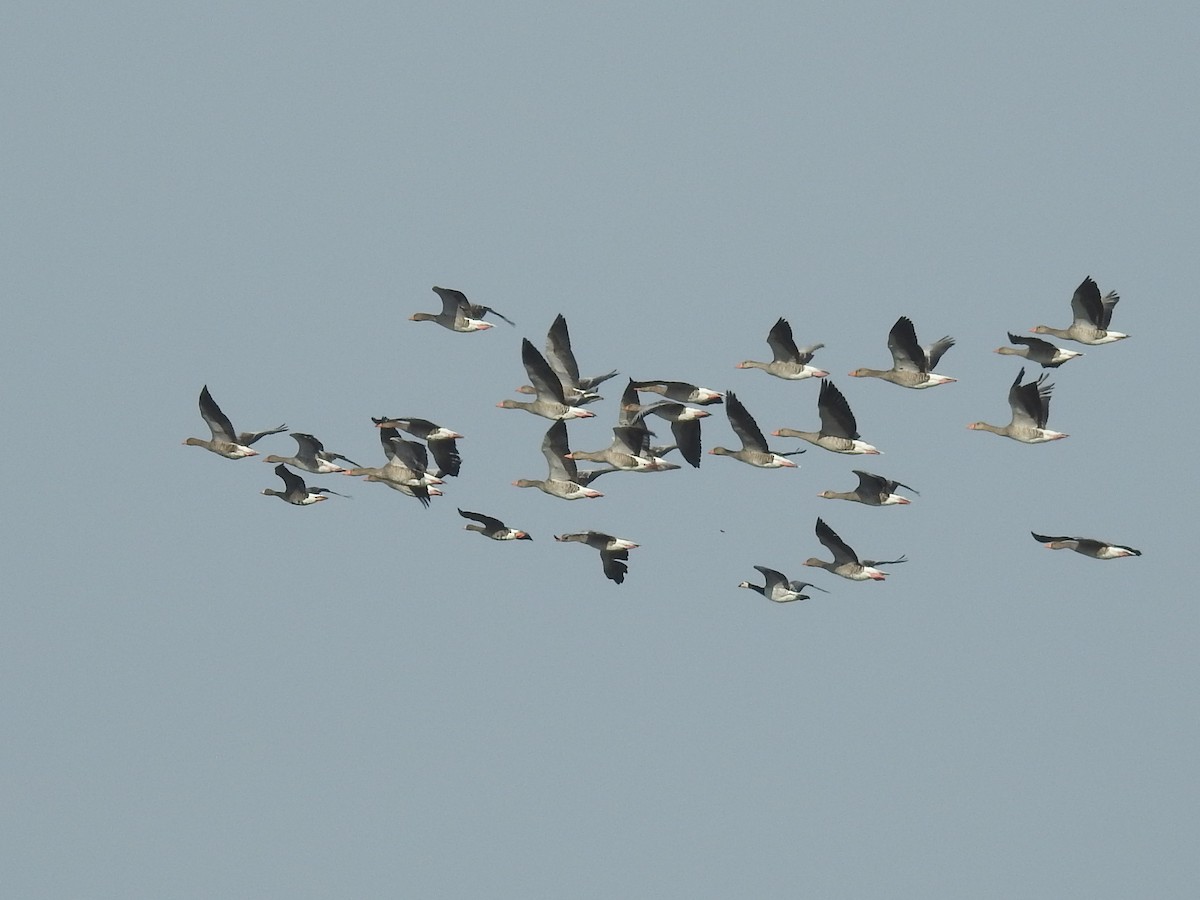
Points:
x=209, y=693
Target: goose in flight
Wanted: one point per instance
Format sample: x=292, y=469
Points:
x=1090, y=315
x=790, y=362
x=458, y=313
x=845, y=561
x=912, y=364
x=225, y=441
x=311, y=456
x=1087, y=546
x=1030, y=404
x=613, y=551
x=778, y=589
x=754, y=446
x=492, y=528
x=295, y=491
x=1036, y=350
x=872, y=490
x=564, y=479
x=839, y=431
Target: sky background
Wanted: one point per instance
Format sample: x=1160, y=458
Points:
x=209, y=693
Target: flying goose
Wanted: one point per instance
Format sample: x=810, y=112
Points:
x=839, y=431
x=845, y=561
x=680, y=391
x=564, y=479
x=1030, y=409
x=225, y=442
x=754, y=446
x=1087, y=546
x=311, y=456
x=457, y=314
x=1036, y=350
x=912, y=364
x=613, y=551
x=1090, y=314
x=789, y=361
x=492, y=528
x=872, y=490
x=778, y=589
x=550, y=402
x=295, y=491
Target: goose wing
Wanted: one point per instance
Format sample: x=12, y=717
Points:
x=559, y=354
x=555, y=449
x=935, y=351
x=798, y=586
x=614, y=565
x=743, y=424
x=478, y=311
x=488, y=522
x=308, y=448
x=907, y=355
x=836, y=418
x=454, y=304
x=774, y=579
x=293, y=484
x=1030, y=402
x=781, y=342
x=840, y=549
x=218, y=422
x=446, y=456
x=1086, y=304
x=541, y=376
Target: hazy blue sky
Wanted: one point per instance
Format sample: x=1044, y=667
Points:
x=208, y=693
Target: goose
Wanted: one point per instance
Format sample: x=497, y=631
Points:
x=295, y=491
x=311, y=456
x=839, y=432
x=754, y=446
x=1087, y=546
x=492, y=528
x=872, y=490
x=680, y=391
x=564, y=480
x=613, y=551
x=789, y=361
x=627, y=451
x=550, y=402
x=443, y=443
x=1090, y=315
x=912, y=364
x=685, y=425
x=778, y=589
x=845, y=561
x=225, y=441
x=1036, y=350
x=577, y=391
x=1030, y=409
x=458, y=313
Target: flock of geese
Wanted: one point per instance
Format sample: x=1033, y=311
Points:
x=560, y=394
